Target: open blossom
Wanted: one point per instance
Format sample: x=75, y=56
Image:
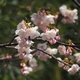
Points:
x=27, y=57
x=62, y=49
x=77, y=56
x=24, y=53
x=69, y=15
x=48, y=35
x=29, y=32
x=51, y=51
x=42, y=20
x=24, y=42
x=41, y=55
x=74, y=69
x=21, y=25
x=23, y=49
x=32, y=32
x=42, y=46
x=26, y=70
x=33, y=62
x=21, y=33
x=25, y=32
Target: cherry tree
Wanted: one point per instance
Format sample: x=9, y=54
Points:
x=34, y=39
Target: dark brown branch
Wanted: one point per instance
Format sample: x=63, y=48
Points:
x=75, y=46
x=58, y=42
x=8, y=44
x=12, y=39
x=71, y=45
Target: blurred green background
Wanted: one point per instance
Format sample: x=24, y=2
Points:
x=14, y=11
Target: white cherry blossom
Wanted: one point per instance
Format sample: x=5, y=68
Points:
x=21, y=33
x=32, y=32
x=62, y=49
x=74, y=69
x=33, y=62
x=28, y=57
x=42, y=20
x=51, y=51
x=21, y=25
x=48, y=35
x=41, y=55
x=77, y=56
x=69, y=15
x=26, y=70
x=42, y=46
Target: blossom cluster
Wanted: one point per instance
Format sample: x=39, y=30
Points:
x=69, y=16
x=34, y=39
x=26, y=34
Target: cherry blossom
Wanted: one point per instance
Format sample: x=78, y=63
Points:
x=77, y=56
x=42, y=20
x=62, y=49
x=74, y=69
x=69, y=15
x=51, y=51
x=48, y=35
x=33, y=62
x=26, y=70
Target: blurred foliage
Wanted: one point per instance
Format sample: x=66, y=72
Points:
x=11, y=13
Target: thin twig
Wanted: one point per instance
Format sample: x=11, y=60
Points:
x=12, y=39
x=76, y=2
x=8, y=44
x=75, y=46
x=39, y=39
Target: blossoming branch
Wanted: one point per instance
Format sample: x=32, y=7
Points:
x=36, y=37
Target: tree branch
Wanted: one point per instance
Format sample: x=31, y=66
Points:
x=8, y=44
x=53, y=57
x=77, y=47
x=76, y=2
x=12, y=39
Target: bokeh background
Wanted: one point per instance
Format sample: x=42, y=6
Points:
x=14, y=11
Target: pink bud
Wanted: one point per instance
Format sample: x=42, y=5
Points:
x=69, y=51
x=57, y=37
x=56, y=16
x=53, y=41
